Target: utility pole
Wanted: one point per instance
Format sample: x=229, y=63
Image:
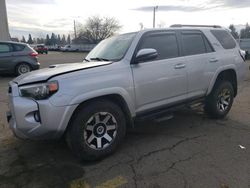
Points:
x=75, y=28
x=154, y=10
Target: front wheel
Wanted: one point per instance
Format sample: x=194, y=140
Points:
x=220, y=100
x=96, y=130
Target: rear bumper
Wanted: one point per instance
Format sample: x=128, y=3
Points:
x=35, y=66
x=36, y=120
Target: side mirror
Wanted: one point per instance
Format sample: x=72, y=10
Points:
x=146, y=54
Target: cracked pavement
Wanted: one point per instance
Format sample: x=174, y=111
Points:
x=190, y=151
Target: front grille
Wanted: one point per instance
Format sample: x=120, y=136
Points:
x=10, y=90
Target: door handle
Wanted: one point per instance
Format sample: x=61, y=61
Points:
x=213, y=60
x=180, y=66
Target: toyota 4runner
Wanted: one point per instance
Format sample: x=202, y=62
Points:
x=127, y=77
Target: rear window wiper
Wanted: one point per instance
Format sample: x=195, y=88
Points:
x=99, y=59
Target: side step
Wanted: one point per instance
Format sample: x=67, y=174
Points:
x=165, y=114
x=164, y=118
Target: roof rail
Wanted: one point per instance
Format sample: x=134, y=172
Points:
x=180, y=25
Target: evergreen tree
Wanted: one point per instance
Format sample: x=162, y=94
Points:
x=30, y=41
x=47, y=40
x=63, y=41
x=68, y=39
x=34, y=41
x=58, y=39
x=53, y=39
x=23, y=39
x=233, y=31
x=245, y=33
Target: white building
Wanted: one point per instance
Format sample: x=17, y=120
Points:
x=4, y=28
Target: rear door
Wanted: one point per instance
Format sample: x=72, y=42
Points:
x=5, y=56
x=201, y=59
x=162, y=81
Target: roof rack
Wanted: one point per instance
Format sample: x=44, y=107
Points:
x=180, y=25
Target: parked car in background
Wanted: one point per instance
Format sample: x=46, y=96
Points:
x=245, y=45
x=70, y=48
x=54, y=48
x=134, y=76
x=78, y=47
x=17, y=58
x=41, y=49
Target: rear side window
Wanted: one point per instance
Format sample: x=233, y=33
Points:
x=165, y=44
x=18, y=47
x=225, y=39
x=4, y=48
x=193, y=44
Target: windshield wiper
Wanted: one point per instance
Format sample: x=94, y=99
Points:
x=99, y=59
x=86, y=60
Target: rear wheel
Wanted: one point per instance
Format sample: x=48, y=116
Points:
x=22, y=68
x=220, y=101
x=96, y=130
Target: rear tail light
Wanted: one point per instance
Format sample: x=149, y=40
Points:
x=33, y=54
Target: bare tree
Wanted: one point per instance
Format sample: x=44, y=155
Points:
x=97, y=29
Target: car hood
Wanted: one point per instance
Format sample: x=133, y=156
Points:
x=54, y=70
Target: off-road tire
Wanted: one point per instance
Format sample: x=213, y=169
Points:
x=75, y=135
x=213, y=100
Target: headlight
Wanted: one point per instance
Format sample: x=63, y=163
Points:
x=39, y=91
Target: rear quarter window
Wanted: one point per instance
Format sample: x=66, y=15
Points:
x=226, y=40
x=18, y=47
x=4, y=48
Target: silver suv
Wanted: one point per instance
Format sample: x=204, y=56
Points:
x=125, y=78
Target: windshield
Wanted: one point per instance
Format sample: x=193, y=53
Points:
x=111, y=49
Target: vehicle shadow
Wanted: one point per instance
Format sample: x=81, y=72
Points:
x=7, y=75
x=51, y=164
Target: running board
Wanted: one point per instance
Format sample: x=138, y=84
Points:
x=165, y=118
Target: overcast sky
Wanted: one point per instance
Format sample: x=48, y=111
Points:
x=45, y=16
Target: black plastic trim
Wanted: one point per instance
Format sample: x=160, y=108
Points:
x=169, y=108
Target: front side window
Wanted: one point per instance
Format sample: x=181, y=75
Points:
x=193, y=44
x=165, y=44
x=4, y=48
x=226, y=40
x=112, y=49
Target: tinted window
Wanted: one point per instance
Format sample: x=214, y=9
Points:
x=225, y=39
x=193, y=44
x=18, y=47
x=165, y=44
x=208, y=45
x=4, y=48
